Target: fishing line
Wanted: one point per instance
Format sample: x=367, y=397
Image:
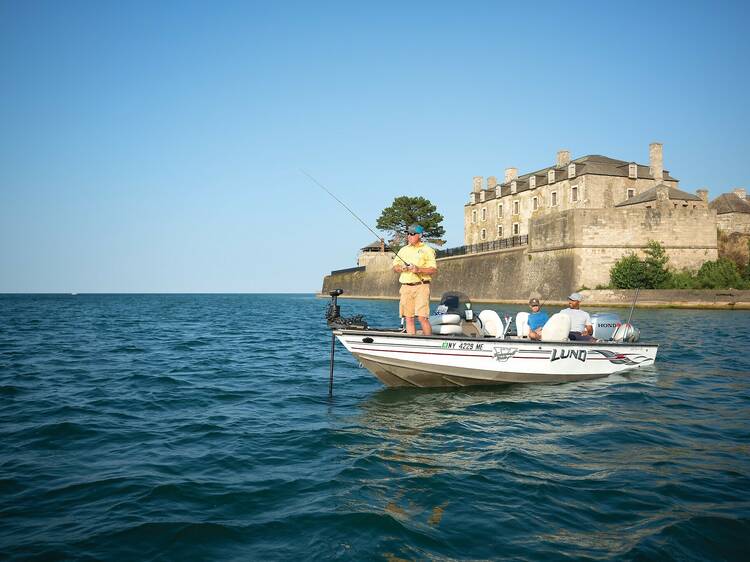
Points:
x=324, y=188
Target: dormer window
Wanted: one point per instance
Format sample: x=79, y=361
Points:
x=473, y=198
x=481, y=195
x=633, y=171
x=513, y=186
x=551, y=177
x=532, y=182
x=571, y=170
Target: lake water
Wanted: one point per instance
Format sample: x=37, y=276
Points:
x=198, y=427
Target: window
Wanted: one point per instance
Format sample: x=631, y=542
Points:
x=484, y=213
x=633, y=171
x=631, y=193
x=574, y=193
x=500, y=231
x=516, y=207
x=535, y=203
x=473, y=198
x=474, y=216
x=481, y=195
x=553, y=199
x=500, y=210
x=513, y=186
x=571, y=170
x=551, y=177
x=483, y=234
x=532, y=182
x=516, y=229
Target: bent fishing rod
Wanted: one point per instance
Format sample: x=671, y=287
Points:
x=382, y=240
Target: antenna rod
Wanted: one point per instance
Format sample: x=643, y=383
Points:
x=632, y=306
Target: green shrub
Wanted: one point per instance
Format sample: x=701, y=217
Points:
x=720, y=274
x=684, y=279
x=655, y=266
x=600, y=287
x=629, y=272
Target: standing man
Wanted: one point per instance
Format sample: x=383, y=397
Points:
x=581, y=326
x=537, y=319
x=416, y=264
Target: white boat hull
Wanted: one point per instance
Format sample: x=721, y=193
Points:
x=398, y=359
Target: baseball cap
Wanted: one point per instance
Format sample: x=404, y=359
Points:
x=534, y=302
x=415, y=229
x=575, y=297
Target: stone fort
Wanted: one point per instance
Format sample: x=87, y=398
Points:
x=561, y=228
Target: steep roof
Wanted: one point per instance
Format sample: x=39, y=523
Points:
x=729, y=203
x=650, y=195
x=591, y=164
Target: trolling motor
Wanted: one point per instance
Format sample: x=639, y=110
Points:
x=336, y=321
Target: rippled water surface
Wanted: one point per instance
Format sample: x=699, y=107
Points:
x=198, y=427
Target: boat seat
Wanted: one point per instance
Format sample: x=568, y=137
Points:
x=447, y=329
x=442, y=319
x=557, y=328
x=492, y=325
x=522, y=324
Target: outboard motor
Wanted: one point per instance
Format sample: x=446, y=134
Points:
x=605, y=324
x=627, y=333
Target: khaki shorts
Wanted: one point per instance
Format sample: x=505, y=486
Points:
x=415, y=300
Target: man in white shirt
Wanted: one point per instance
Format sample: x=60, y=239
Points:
x=581, y=326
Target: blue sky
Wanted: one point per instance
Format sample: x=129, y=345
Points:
x=157, y=146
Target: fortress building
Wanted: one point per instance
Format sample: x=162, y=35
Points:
x=501, y=210
x=562, y=228
x=589, y=212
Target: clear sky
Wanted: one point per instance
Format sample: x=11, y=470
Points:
x=157, y=146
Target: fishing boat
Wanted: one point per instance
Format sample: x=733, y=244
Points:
x=468, y=350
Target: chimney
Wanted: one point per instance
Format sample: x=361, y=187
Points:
x=662, y=194
x=477, y=184
x=510, y=174
x=656, y=161
x=563, y=158
x=703, y=194
x=740, y=192
x=491, y=182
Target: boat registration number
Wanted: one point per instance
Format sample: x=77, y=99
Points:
x=466, y=346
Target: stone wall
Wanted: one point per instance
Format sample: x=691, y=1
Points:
x=566, y=251
x=511, y=274
x=600, y=237
x=734, y=222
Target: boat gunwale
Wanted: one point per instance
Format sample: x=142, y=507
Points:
x=399, y=334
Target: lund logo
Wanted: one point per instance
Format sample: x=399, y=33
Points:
x=504, y=353
x=579, y=354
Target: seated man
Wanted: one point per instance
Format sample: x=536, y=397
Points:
x=581, y=326
x=537, y=319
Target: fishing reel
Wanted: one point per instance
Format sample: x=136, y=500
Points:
x=336, y=321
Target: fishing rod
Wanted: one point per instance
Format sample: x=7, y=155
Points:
x=382, y=240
